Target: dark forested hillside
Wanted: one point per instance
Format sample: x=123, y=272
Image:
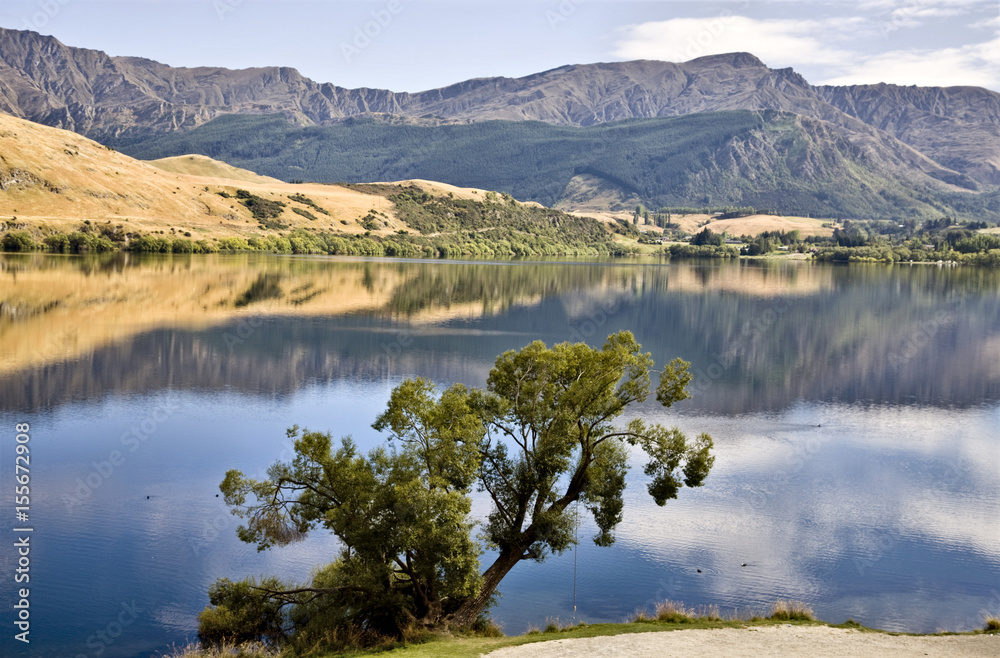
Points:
x=764, y=159
x=871, y=150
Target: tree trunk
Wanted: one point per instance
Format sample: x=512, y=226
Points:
x=467, y=613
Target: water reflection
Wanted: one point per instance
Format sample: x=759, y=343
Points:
x=855, y=412
x=759, y=336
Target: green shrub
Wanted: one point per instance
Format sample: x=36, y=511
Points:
x=58, y=243
x=241, y=614
x=233, y=244
x=151, y=244
x=18, y=241
x=262, y=209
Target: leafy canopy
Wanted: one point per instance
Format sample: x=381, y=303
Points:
x=540, y=436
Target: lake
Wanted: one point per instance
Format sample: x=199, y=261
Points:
x=855, y=412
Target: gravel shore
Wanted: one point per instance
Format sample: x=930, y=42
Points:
x=760, y=641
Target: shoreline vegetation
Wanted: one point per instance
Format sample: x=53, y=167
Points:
x=497, y=226
x=666, y=616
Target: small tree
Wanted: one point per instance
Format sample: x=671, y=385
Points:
x=539, y=437
x=708, y=237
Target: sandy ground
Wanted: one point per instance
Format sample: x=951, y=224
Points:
x=761, y=641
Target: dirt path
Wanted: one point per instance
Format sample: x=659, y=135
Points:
x=760, y=641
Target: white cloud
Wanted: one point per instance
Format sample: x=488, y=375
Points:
x=827, y=49
x=778, y=42
x=976, y=65
x=988, y=23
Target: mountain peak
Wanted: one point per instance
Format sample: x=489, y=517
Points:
x=739, y=60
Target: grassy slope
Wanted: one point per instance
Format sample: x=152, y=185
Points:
x=199, y=165
x=766, y=159
x=55, y=179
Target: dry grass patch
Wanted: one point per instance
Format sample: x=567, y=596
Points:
x=782, y=610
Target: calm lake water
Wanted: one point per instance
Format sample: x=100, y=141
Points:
x=855, y=412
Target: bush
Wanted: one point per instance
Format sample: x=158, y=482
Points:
x=151, y=244
x=58, y=243
x=18, y=241
x=241, y=614
x=262, y=209
x=233, y=244
x=182, y=246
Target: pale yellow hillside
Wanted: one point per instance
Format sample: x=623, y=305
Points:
x=752, y=225
x=757, y=224
x=200, y=165
x=51, y=178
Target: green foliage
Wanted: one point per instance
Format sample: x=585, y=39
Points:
x=370, y=222
x=540, y=436
x=304, y=213
x=705, y=251
x=80, y=242
x=498, y=227
x=151, y=244
x=18, y=241
x=304, y=200
x=706, y=237
x=853, y=237
x=182, y=246
x=58, y=243
x=263, y=210
x=762, y=244
x=239, y=613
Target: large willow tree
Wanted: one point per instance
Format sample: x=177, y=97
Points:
x=540, y=436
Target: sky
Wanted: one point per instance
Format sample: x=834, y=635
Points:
x=413, y=45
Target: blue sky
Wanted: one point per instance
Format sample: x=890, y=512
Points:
x=411, y=45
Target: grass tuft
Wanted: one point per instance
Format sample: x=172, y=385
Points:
x=673, y=612
x=195, y=650
x=782, y=610
x=992, y=624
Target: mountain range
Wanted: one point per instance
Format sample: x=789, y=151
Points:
x=763, y=134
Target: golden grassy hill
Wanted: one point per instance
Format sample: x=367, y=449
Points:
x=201, y=165
x=55, y=179
x=752, y=225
